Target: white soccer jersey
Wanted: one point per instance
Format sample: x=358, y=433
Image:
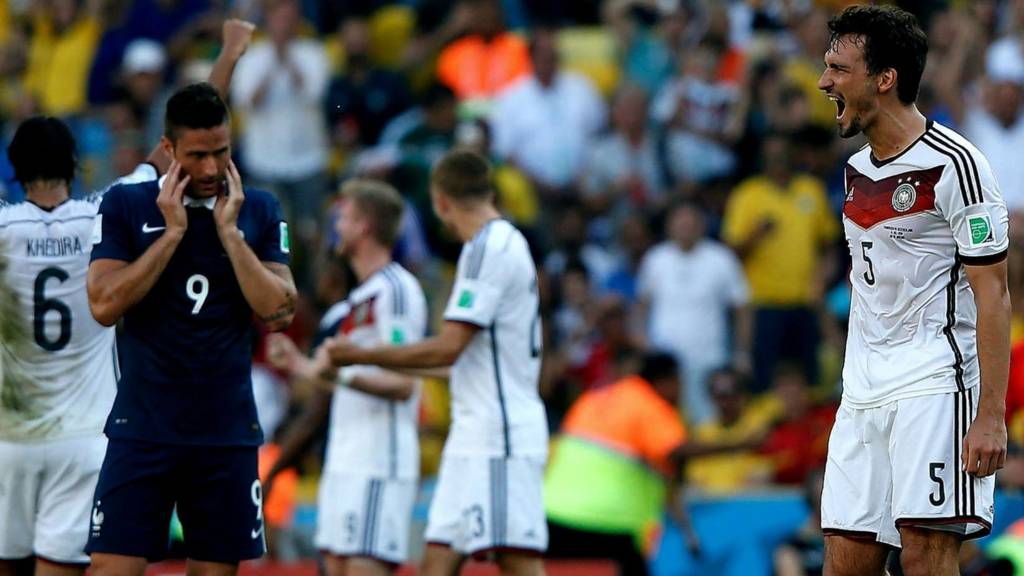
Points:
x=371, y=435
x=912, y=222
x=496, y=409
x=58, y=365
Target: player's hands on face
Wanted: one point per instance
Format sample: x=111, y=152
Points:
x=229, y=202
x=237, y=34
x=281, y=351
x=170, y=200
x=984, y=449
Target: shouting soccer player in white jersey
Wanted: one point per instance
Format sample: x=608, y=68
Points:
x=920, y=431
x=59, y=366
x=489, y=498
x=368, y=487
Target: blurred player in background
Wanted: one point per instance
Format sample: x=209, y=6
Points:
x=186, y=261
x=59, y=367
x=489, y=500
x=369, y=482
x=921, y=429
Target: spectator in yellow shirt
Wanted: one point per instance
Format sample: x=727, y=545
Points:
x=736, y=422
x=780, y=224
x=64, y=40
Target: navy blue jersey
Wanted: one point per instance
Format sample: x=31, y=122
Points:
x=186, y=346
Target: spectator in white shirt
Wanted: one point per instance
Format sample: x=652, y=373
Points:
x=995, y=124
x=688, y=287
x=623, y=172
x=544, y=123
x=704, y=116
x=279, y=87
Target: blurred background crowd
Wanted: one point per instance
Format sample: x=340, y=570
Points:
x=671, y=161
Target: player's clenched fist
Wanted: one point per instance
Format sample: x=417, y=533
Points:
x=237, y=35
x=170, y=200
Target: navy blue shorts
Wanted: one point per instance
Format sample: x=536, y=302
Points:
x=216, y=489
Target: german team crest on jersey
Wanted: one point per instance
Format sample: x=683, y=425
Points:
x=904, y=196
x=897, y=196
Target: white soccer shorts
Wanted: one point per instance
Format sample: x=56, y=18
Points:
x=365, y=517
x=485, y=504
x=46, y=492
x=899, y=465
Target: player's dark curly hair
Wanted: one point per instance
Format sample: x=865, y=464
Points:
x=890, y=38
x=195, y=106
x=43, y=149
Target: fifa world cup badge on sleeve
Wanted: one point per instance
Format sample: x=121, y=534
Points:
x=981, y=230
x=285, y=246
x=466, y=299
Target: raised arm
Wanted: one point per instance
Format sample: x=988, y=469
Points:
x=115, y=285
x=985, y=445
x=236, y=36
x=268, y=287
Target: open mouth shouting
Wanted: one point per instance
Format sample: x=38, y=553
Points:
x=840, y=104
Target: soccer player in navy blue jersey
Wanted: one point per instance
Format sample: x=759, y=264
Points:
x=185, y=261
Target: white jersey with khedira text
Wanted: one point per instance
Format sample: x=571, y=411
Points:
x=58, y=366
x=912, y=222
x=496, y=408
x=370, y=435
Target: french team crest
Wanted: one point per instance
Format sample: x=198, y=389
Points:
x=904, y=196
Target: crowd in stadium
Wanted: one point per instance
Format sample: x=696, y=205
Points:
x=673, y=164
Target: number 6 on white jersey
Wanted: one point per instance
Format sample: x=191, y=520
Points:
x=198, y=295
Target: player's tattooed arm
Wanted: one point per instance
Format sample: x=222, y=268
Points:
x=268, y=287
x=280, y=318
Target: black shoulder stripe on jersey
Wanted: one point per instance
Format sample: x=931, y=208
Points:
x=973, y=172
x=960, y=163
x=956, y=165
x=965, y=159
x=397, y=292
